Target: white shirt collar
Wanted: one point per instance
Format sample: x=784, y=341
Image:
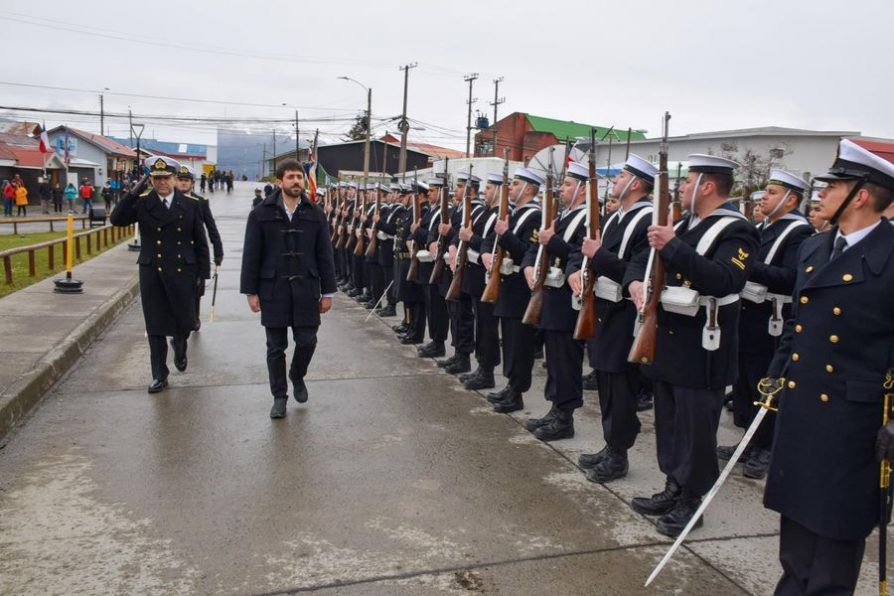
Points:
x=169, y=198
x=855, y=237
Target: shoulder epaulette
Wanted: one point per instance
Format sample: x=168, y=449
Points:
x=146, y=194
x=196, y=197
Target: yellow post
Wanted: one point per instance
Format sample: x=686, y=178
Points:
x=69, y=262
x=69, y=285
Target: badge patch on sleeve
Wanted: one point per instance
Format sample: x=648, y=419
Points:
x=739, y=261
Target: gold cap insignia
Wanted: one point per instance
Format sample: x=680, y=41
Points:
x=160, y=164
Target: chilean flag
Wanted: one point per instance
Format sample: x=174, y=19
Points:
x=44, y=140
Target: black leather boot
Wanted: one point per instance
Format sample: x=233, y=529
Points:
x=533, y=424
x=673, y=522
x=659, y=503
x=590, y=381
x=469, y=375
x=483, y=380
x=613, y=466
x=432, y=349
x=501, y=395
x=512, y=403
x=560, y=427
x=589, y=460
x=460, y=365
x=447, y=361
x=757, y=463
x=279, y=407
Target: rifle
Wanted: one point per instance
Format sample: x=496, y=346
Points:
x=360, y=241
x=585, y=327
x=437, y=271
x=342, y=235
x=413, y=273
x=676, y=205
x=492, y=289
x=462, y=252
x=541, y=263
x=643, y=349
x=374, y=238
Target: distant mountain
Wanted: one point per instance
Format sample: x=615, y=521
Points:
x=242, y=151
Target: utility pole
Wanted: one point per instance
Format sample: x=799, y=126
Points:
x=274, y=151
x=130, y=123
x=469, y=79
x=263, y=161
x=297, y=143
x=404, y=126
x=497, y=101
x=369, y=103
x=102, y=116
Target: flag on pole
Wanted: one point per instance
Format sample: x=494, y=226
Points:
x=310, y=171
x=66, y=156
x=44, y=139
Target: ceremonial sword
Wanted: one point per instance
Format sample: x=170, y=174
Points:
x=768, y=388
x=213, y=296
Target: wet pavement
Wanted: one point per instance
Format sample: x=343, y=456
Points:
x=391, y=479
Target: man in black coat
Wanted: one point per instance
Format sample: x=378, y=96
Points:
x=288, y=274
x=173, y=254
x=185, y=184
x=836, y=355
x=436, y=313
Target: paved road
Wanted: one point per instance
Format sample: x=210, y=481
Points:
x=392, y=479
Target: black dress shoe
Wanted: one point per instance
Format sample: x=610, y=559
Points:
x=469, y=375
x=402, y=328
x=483, y=380
x=460, y=365
x=590, y=460
x=387, y=311
x=447, y=361
x=432, y=349
x=353, y=293
x=590, y=381
x=757, y=463
x=533, y=424
x=560, y=427
x=279, y=407
x=725, y=452
x=501, y=395
x=673, y=522
x=180, y=360
x=300, y=391
x=612, y=467
x=410, y=340
x=659, y=503
x=644, y=401
x=511, y=404
x=197, y=325
x=156, y=386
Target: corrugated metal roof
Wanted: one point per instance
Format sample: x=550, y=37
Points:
x=563, y=129
x=105, y=143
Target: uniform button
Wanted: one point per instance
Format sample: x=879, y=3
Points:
x=179, y=269
x=178, y=243
x=679, y=276
x=836, y=311
x=158, y=241
x=192, y=241
x=158, y=255
x=159, y=269
x=830, y=368
x=796, y=356
x=824, y=397
x=847, y=277
x=833, y=339
x=809, y=269
x=179, y=230
x=179, y=256
x=670, y=332
x=799, y=328
x=158, y=229
x=792, y=384
x=804, y=299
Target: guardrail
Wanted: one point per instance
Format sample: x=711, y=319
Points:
x=101, y=237
x=15, y=221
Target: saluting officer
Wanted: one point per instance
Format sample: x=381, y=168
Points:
x=835, y=353
x=185, y=183
x=564, y=354
x=623, y=235
x=288, y=275
x=173, y=254
x=766, y=303
x=515, y=237
x=708, y=258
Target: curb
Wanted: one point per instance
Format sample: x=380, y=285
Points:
x=27, y=391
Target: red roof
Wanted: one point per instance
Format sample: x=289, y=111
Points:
x=6, y=152
x=435, y=150
x=113, y=147
x=884, y=149
x=28, y=158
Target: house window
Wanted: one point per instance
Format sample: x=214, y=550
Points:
x=484, y=147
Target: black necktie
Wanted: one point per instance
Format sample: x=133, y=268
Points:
x=165, y=203
x=840, y=245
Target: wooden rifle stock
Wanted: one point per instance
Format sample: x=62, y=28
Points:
x=541, y=265
x=585, y=326
x=413, y=272
x=437, y=272
x=492, y=289
x=643, y=349
x=374, y=238
x=462, y=252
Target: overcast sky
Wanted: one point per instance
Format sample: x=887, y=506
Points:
x=714, y=65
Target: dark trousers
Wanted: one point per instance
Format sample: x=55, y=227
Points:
x=416, y=319
x=752, y=368
x=339, y=263
x=376, y=280
x=686, y=423
x=814, y=565
x=436, y=312
x=462, y=323
x=200, y=291
x=487, y=335
x=388, y=280
x=564, y=370
x=519, y=344
x=358, y=271
x=277, y=342
x=158, y=354
x=617, y=401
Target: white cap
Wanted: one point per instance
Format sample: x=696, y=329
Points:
x=711, y=164
x=421, y=186
x=641, y=168
x=578, y=170
x=527, y=175
x=856, y=162
x=436, y=181
x=495, y=179
x=788, y=180
x=462, y=175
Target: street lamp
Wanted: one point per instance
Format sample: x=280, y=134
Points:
x=368, y=126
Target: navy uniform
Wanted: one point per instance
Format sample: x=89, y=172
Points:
x=834, y=355
x=564, y=354
x=487, y=336
x=386, y=231
x=173, y=254
x=375, y=274
x=766, y=303
x=623, y=235
x=519, y=341
x=287, y=262
x=186, y=173
x=407, y=292
x=707, y=263
x=436, y=312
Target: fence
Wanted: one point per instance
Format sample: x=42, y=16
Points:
x=15, y=221
x=100, y=237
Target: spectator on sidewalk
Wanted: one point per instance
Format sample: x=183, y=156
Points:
x=43, y=191
x=9, y=196
x=57, y=198
x=86, y=192
x=21, y=201
x=107, y=196
x=71, y=193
